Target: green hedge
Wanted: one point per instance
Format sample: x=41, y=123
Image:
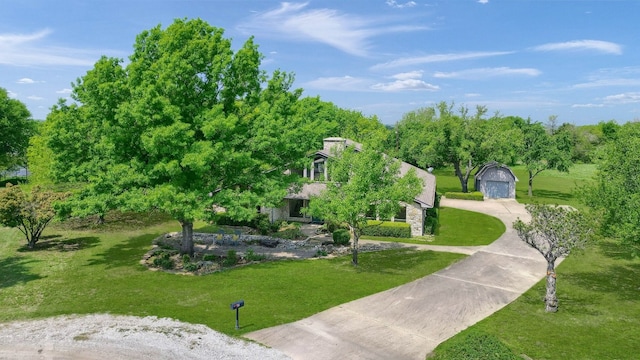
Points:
x=431, y=221
x=476, y=195
x=387, y=228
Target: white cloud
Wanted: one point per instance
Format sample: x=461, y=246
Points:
x=33, y=50
x=483, y=1
x=348, y=33
x=394, y=4
x=25, y=81
x=33, y=97
x=406, y=84
x=625, y=98
x=484, y=73
x=587, y=105
x=607, y=82
x=408, y=75
x=579, y=45
x=417, y=60
x=64, y=91
x=345, y=83
x=11, y=94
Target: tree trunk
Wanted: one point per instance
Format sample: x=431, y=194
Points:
x=186, y=247
x=100, y=220
x=550, y=300
x=355, y=236
x=530, y=184
x=463, y=181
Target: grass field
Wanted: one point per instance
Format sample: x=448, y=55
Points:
x=87, y=270
x=549, y=187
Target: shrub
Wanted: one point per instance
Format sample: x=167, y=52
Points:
x=252, y=256
x=476, y=195
x=209, y=257
x=231, y=259
x=191, y=267
x=431, y=221
x=474, y=345
x=387, y=228
x=290, y=234
x=164, y=261
x=341, y=237
x=186, y=259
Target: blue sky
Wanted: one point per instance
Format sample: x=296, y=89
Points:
x=578, y=60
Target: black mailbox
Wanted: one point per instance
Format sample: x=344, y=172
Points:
x=236, y=305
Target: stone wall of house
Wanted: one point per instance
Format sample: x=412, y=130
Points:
x=415, y=218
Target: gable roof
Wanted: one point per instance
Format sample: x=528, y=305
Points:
x=426, y=198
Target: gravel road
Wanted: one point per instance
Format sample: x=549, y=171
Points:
x=107, y=337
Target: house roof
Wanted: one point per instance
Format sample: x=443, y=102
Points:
x=491, y=165
x=426, y=198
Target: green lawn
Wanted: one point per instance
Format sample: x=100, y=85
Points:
x=549, y=186
x=598, y=318
x=479, y=229
x=91, y=271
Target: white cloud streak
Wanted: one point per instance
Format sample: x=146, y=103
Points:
x=33, y=50
x=404, y=85
x=486, y=73
x=64, y=91
x=344, y=83
x=582, y=45
x=25, y=81
x=417, y=60
x=624, y=98
x=607, y=83
x=395, y=4
x=348, y=33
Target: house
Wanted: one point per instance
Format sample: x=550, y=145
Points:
x=496, y=181
x=317, y=171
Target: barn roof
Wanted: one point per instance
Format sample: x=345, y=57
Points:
x=492, y=165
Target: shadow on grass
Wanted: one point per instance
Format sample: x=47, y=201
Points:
x=114, y=221
x=615, y=250
x=126, y=253
x=56, y=242
x=620, y=280
x=546, y=194
x=14, y=271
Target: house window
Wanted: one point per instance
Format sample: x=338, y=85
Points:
x=295, y=208
x=401, y=215
x=318, y=170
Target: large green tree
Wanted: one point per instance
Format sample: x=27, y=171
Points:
x=16, y=127
x=438, y=136
x=187, y=124
x=615, y=191
x=362, y=182
x=542, y=151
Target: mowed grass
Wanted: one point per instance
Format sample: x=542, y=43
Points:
x=598, y=317
x=457, y=227
x=90, y=271
x=549, y=187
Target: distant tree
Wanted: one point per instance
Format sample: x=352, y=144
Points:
x=541, y=151
x=16, y=127
x=555, y=232
x=437, y=136
x=615, y=191
x=30, y=213
x=188, y=124
x=360, y=182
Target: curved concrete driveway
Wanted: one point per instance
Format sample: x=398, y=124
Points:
x=409, y=321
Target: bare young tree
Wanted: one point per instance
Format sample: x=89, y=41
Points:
x=554, y=231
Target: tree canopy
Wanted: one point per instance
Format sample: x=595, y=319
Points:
x=187, y=124
x=615, y=192
x=362, y=182
x=438, y=136
x=16, y=127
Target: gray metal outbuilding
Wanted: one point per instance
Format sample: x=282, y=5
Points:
x=496, y=181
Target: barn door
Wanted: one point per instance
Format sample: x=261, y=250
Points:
x=497, y=189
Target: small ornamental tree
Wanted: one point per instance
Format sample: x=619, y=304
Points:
x=30, y=213
x=360, y=182
x=554, y=231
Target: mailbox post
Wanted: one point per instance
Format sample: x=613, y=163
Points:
x=236, y=306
